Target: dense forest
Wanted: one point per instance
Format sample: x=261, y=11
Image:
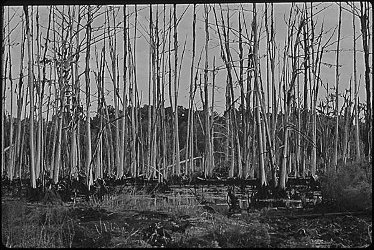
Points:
x=95, y=90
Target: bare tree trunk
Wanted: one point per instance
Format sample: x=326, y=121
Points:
x=357, y=123
x=189, y=138
x=124, y=99
x=176, y=87
x=75, y=104
x=335, y=163
x=20, y=99
x=289, y=96
x=206, y=97
x=149, y=91
x=257, y=109
x=39, y=156
x=212, y=118
x=10, y=171
x=133, y=106
x=113, y=56
x=31, y=84
x=364, y=18
x=88, y=104
x=136, y=114
x=3, y=82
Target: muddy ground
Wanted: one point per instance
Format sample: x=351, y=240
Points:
x=128, y=220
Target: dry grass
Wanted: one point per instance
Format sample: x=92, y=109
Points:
x=25, y=226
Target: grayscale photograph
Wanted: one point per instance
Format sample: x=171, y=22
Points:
x=190, y=125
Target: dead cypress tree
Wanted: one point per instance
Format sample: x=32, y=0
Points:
x=149, y=91
x=124, y=97
x=335, y=162
x=137, y=105
x=289, y=96
x=88, y=104
x=364, y=18
x=189, y=138
x=31, y=87
x=10, y=170
x=176, y=127
x=154, y=98
x=162, y=101
x=357, y=123
x=211, y=131
x=133, y=107
x=3, y=82
x=242, y=98
x=113, y=57
x=305, y=91
x=20, y=100
x=205, y=102
x=262, y=176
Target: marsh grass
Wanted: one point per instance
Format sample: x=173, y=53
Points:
x=39, y=227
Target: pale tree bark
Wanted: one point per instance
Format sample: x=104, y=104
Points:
x=31, y=87
x=44, y=81
x=150, y=69
x=289, y=96
x=133, y=107
x=20, y=99
x=262, y=176
x=163, y=121
x=77, y=94
x=88, y=104
x=113, y=56
x=316, y=82
x=10, y=171
x=208, y=165
x=60, y=67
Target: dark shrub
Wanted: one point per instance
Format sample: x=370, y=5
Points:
x=350, y=187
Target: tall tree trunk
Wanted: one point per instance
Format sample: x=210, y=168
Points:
x=257, y=92
x=357, y=123
x=176, y=87
x=3, y=82
x=124, y=98
x=206, y=97
x=31, y=86
x=88, y=104
x=189, y=144
x=335, y=163
x=364, y=18
x=11, y=145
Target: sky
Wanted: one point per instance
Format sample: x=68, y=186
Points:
x=328, y=16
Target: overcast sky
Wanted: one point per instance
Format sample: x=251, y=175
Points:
x=329, y=16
